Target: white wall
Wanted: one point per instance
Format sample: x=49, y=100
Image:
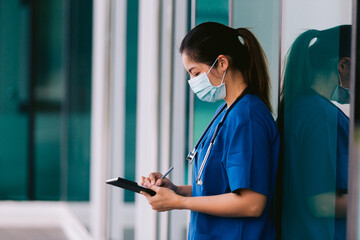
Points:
x=262, y=18
x=299, y=16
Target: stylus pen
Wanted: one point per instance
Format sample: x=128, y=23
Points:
x=167, y=173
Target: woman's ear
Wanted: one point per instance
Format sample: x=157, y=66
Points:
x=223, y=63
x=344, y=71
x=344, y=64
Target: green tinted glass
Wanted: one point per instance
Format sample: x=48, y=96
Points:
x=314, y=120
x=208, y=11
x=131, y=88
x=14, y=74
x=45, y=53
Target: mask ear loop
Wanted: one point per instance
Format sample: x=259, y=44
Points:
x=340, y=81
x=222, y=80
x=212, y=66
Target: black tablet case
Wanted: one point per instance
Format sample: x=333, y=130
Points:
x=129, y=185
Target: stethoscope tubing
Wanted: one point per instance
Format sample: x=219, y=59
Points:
x=192, y=154
x=198, y=179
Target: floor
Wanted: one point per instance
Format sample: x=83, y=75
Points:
x=40, y=221
x=14, y=233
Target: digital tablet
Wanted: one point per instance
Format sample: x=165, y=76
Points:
x=129, y=185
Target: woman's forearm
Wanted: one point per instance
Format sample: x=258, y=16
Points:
x=246, y=204
x=184, y=190
x=329, y=204
x=341, y=203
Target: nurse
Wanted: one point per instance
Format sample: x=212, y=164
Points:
x=234, y=178
x=315, y=134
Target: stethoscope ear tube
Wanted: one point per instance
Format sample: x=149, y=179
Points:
x=192, y=154
x=198, y=179
x=190, y=157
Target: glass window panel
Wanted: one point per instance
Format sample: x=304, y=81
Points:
x=131, y=89
x=314, y=118
x=14, y=121
x=62, y=94
x=61, y=36
x=208, y=11
x=262, y=18
x=49, y=72
x=77, y=113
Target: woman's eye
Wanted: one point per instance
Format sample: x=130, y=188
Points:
x=196, y=74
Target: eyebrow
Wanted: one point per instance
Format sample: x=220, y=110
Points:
x=191, y=69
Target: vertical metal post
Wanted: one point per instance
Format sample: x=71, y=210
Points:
x=191, y=97
x=165, y=83
x=147, y=112
x=231, y=12
x=100, y=136
x=178, y=219
x=354, y=143
x=117, y=103
x=31, y=104
x=65, y=104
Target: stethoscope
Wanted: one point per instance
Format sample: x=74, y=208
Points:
x=192, y=154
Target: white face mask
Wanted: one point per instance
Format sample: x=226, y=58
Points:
x=341, y=94
x=205, y=91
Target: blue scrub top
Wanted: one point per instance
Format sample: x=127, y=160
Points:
x=316, y=144
x=245, y=155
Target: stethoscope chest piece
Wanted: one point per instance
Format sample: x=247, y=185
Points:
x=199, y=182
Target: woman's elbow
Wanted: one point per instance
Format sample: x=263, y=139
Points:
x=256, y=210
x=256, y=207
x=252, y=203
x=253, y=210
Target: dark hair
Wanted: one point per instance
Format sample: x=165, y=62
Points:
x=207, y=41
x=314, y=52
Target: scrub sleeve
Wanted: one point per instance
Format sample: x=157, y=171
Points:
x=245, y=155
x=247, y=162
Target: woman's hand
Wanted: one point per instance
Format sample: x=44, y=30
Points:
x=164, y=200
x=155, y=179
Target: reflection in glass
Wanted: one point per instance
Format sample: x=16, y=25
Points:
x=315, y=135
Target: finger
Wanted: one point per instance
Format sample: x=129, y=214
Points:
x=159, y=182
x=142, y=180
x=154, y=188
x=152, y=179
x=147, y=181
x=154, y=176
x=145, y=194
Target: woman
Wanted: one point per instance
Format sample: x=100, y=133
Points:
x=233, y=185
x=315, y=135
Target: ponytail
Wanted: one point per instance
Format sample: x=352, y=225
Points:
x=207, y=41
x=298, y=72
x=256, y=73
